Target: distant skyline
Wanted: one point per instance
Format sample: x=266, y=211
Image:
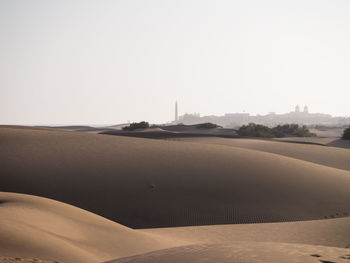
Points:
x=105, y=62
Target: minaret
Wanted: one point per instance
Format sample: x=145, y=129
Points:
x=176, y=113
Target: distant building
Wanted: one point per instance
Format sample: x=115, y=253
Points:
x=190, y=118
x=233, y=120
x=176, y=113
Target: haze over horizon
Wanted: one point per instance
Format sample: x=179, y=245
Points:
x=93, y=62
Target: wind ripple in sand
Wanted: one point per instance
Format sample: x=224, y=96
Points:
x=25, y=260
x=243, y=252
x=157, y=183
x=33, y=227
x=148, y=182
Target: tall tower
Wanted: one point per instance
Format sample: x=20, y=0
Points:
x=176, y=113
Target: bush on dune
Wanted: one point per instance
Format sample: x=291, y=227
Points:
x=208, y=125
x=255, y=130
x=287, y=130
x=136, y=125
x=292, y=130
x=346, y=134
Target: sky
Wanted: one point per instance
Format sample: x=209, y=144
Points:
x=108, y=62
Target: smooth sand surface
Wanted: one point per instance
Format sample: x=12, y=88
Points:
x=243, y=252
x=330, y=232
x=160, y=133
x=34, y=227
x=195, y=129
x=327, y=156
x=147, y=183
x=156, y=183
x=326, y=141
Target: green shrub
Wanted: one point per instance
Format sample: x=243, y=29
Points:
x=255, y=130
x=207, y=125
x=346, y=134
x=136, y=125
x=291, y=130
x=287, y=130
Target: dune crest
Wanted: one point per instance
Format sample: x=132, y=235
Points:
x=150, y=183
x=159, y=183
x=35, y=227
x=320, y=154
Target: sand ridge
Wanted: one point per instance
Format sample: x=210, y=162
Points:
x=204, y=183
x=328, y=156
x=142, y=183
x=35, y=227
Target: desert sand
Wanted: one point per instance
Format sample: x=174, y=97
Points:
x=173, y=131
x=35, y=227
x=326, y=141
x=238, y=200
x=336, y=157
x=243, y=252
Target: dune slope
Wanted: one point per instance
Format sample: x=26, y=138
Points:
x=327, y=156
x=35, y=227
x=330, y=232
x=164, y=183
x=243, y=252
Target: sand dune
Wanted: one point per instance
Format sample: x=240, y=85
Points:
x=196, y=129
x=142, y=183
x=327, y=156
x=165, y=183
x=160, y=133
x=243, y=252
x=327, y=141
x=80, y=128
x=33, y=227
x=174, y=131
x=330, y=232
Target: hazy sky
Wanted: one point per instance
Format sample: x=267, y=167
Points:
x=86, y=62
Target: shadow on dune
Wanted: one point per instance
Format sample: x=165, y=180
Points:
x=241, y=252
x=302, y=142
x=340, y=143
x=157, y=183
x=163, y=134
